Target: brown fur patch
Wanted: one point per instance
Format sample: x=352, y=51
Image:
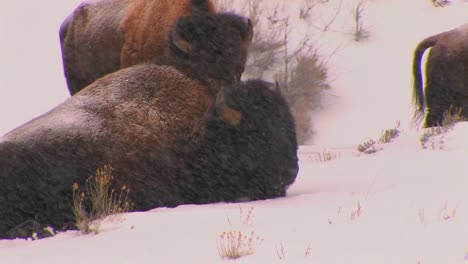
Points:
x=146, y=26
x=230, y=116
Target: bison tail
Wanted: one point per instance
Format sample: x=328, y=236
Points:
x=418, y=93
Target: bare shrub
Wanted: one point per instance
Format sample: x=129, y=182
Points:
x=264, y=52
x=360, y=31
x=319, y=18
x=298, y=69
x=306, y=8
x=307, y=79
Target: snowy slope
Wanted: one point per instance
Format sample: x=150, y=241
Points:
x=372, y=89
x=403, y=204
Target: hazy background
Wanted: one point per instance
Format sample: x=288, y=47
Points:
x=31, y=75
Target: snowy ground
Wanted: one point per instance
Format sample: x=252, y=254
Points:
x=403, y=204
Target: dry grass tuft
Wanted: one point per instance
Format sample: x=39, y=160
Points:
x=325, y=156
x=372, y=146
x=356, y=212
x=447, y=213
x=280, y=251
x=388, y=135
x=239, y=242
x=367, y=147
x=234, y=244
x=100, y=201
x=433, y=137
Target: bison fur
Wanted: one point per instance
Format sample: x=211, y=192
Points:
x=100, y=37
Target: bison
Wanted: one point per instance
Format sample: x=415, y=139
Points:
x=256, y=159
x=169, y=132
x=446, y=88
x=103, y=36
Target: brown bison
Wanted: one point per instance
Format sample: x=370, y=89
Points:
x=162, y=128
x=446, y=88
x=104, y=36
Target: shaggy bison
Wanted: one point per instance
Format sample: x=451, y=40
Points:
x=103, y=36
x=164, y=129
x=446, y=76
x=256, y=159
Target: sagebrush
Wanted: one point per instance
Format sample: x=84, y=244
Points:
x=299, y=70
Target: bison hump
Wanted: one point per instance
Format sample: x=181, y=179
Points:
x=146, y=26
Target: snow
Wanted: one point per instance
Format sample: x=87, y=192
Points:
x=402, y=204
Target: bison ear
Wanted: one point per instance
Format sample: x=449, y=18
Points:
x=248, y=34
x=180, y=43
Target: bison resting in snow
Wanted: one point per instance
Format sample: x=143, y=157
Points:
x=446, y=76
x=103, y=36
x=256, y=159
x=166, y=130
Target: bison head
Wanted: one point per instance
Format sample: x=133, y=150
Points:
x=212, y=48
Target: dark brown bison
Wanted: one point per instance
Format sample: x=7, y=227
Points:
x=103, y=36
x=446, y=76
x=165, y=131
x=256, y=159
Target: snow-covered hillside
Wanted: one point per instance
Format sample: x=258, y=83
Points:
x=402, y=204
x=372, y=79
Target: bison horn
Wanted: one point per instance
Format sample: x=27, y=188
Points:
x=248, y=31
x=277, y=87
x=180, y=43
